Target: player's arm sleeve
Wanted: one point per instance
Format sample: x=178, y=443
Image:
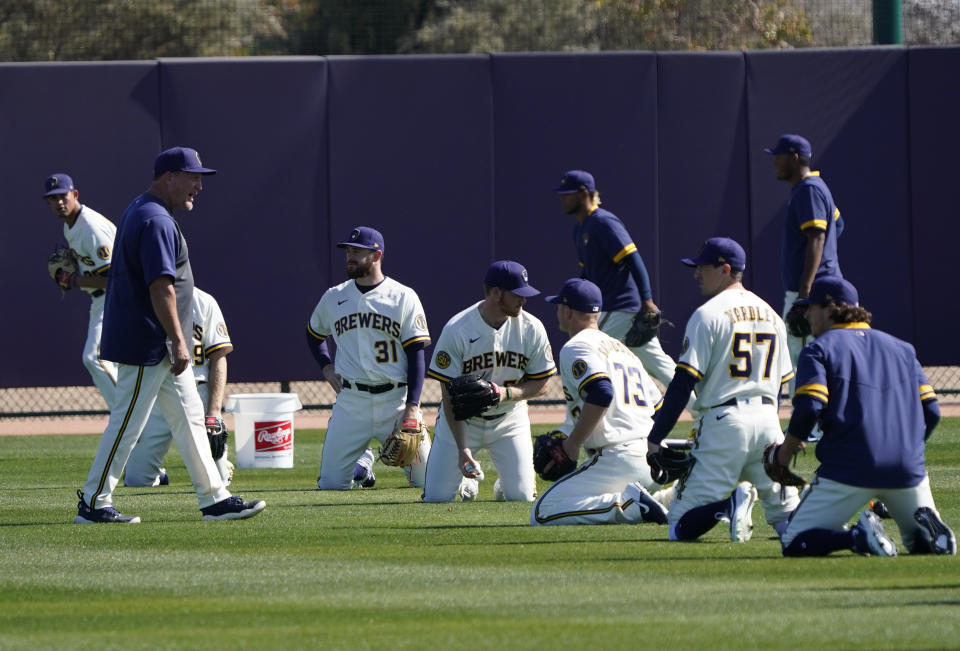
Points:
x=416, y=365
x=811, y=395
x=838, y=222
x=159, y=244
x=678, y=393
x=447, y=357
x=599, y=392
x=811, y=209
x=639, y=272
x=541, y=365
x=318, y=348
x=928, y=399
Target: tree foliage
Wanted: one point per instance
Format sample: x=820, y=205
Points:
x=88, y=30
x=97, y=30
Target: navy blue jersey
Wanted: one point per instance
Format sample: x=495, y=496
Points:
x=868, y=387
x=148, y=245
x=602, y=243
x=810, y=206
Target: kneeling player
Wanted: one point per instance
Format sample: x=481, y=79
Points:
x=877, y=409
x=610, y=403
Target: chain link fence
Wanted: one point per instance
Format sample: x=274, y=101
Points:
x=111, y=30
x=86, y=401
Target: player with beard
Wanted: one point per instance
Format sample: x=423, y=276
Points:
x=380, y=332
x=497, y=340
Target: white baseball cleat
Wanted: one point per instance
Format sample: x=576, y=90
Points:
x=741, y=512
x=498, y=494
x=870, y=538
x=469, y=488
x=650, y=509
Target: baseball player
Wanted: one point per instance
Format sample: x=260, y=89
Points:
x=612, y=401
x=733, y=354
x=609, y=258
x=380, y=331
x=211, y=345
x=812, y=224
x=90, y=236
x=877, y=409
x=147, y=322
x=507, y=346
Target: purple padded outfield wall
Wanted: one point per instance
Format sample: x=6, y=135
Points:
x=454, y=158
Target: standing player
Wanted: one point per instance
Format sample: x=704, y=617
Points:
x=380, y=331
x=877, y=409
x=147, y=323
x=507, y=346
x=812, y=224
x=609, y=259
x=211, y=344
x=611, y=400
x=733, y=354
x=90, y=236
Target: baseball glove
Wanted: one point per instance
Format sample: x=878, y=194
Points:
x=471, y=395
x=402, y=447
x=645, y=327
x=547, y=448
x=668, y=464
x=62, y=265
x=217, y=435
x=779, y=472
x=796, y=322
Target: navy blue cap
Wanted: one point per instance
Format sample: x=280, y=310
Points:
x=57, y=184
x=364, y=237
x=579, y=294
x=511, y=276
x=720, y=250
x=791, y=143
x=180, y=159
x=831, y=289
x=576, y=180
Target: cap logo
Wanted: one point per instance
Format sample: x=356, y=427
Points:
x=355, y=235
x=523, y=274
x=720, y=258
x=828, y=297
x=197, y=156
x=52, y=183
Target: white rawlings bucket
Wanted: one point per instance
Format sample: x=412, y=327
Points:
x=264, y=428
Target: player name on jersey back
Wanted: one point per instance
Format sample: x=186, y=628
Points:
x=750, y=313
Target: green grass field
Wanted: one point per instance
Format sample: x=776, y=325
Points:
x=377, y=569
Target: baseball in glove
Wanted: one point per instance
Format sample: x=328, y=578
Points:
x=471, y=395
x=796, y=321
x=645, y=327
x=669, y=464
x=779, y=472
x=548, y=451
x=62, y=266
x=402, y=446
x=217, y=435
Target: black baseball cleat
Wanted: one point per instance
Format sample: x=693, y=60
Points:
x=934, y=532
x=86, y=515
x=233, y=508
x=880, y=509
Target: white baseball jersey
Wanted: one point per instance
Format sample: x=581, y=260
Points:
x=370, y=329
x=91, y=240
x=209, y=333
x=518, y=349
x=736, y=346
x=591, y=355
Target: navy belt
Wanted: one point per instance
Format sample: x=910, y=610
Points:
x=373, y=388
x=732, y=402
